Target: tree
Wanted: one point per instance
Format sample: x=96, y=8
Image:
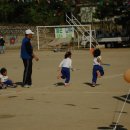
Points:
x=5, y=12
x=42, y=12
x=112, y=13
x=109, y=8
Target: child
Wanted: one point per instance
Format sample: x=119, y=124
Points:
x=1, y=84
x=4, y=78
x=2, y=42
x=97, y=68
x=64, y=68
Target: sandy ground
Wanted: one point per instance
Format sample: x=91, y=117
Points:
x=46, y=106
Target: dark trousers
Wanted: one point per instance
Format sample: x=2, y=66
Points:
x=95, y=69
x=65, y=74
x=27, y=75
x=8, y=82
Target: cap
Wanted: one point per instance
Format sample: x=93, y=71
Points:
x=28, y=31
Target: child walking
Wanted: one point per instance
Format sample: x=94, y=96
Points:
x=64, y=68
x=5, y=80
x=97, y=68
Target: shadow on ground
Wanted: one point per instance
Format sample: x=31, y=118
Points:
x=59, y=84
x=19, y=83
x=90, y=84
x=123, y=98
x=112, y=126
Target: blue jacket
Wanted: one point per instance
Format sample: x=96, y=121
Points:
x=26, y=49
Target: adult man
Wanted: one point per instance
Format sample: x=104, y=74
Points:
x=27, y=56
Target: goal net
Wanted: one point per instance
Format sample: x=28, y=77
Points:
x=62, y=36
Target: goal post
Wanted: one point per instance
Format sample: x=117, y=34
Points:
x=49, y=35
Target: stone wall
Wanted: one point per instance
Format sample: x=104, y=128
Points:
x=13, y=35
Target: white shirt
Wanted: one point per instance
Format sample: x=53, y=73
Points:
x=3, y=78
x=95, y=61
x=67, y=63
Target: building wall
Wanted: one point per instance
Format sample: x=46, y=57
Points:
x=86, y=14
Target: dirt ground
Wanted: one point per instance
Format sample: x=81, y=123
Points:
x=46, y=106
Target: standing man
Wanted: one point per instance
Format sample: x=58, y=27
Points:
x=27, y=56
x=2, y=45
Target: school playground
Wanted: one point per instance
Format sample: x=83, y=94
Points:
x=48, y=105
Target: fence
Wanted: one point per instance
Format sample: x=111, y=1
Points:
x=13, y=35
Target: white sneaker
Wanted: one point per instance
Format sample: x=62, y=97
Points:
x=93, y=84
x=66, y=84
x=27, y=86
x=4, y=86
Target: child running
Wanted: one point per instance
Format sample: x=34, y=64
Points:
x=97, y=68
x=64, y=68
x=5, y=80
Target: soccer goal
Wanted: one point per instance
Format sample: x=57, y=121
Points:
x=64, y=35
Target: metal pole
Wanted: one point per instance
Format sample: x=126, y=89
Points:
x=78, y=41
x=90, y=36
x=37, y=38
x=78, y=37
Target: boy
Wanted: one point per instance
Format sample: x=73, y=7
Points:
x=5, y=80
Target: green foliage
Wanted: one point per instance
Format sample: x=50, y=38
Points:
x=110, y=8
x=5, y=11
x=104, y=9
x=33, y=13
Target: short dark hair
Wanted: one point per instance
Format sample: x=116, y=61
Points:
x=3, y=70
x=96, y=52
x=67, y=54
